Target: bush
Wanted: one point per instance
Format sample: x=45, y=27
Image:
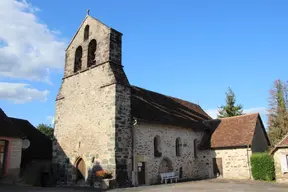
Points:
x=262, y=167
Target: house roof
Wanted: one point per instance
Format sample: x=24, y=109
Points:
x=284, y=141
x=8, y=129
x=40, y=144
x=282, y=144
x=235, y=131
x=157, y=108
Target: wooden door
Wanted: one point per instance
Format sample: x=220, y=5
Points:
x=81, y=168
x=3, y=153
x=217, y=167
x=141, y=173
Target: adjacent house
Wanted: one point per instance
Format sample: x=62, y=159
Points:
x=233, y=141
x=40, y=146
x=137, y=134
x=280, y=154
x=24, y=150
x=10, y=148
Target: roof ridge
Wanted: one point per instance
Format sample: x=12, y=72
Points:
x=285, y=137
x=237, y=116
x=165, y=95
x=18, y=118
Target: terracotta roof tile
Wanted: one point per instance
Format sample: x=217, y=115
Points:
x=233, y=131
x=284, y=141
x=158, y=108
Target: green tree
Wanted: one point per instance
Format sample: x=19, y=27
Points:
x=46, y=129
x=277, y=113
x=230, y=109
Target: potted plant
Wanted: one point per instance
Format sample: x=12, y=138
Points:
x=103, y=177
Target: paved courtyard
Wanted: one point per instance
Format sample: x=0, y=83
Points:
x=212, y=185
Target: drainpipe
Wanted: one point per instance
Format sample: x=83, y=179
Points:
x=133, y=153
x=248, y=160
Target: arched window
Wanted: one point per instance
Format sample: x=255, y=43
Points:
x=86, y=32
x=91, y=53
x=157, y=152
x=178, y=146
x=78, y=59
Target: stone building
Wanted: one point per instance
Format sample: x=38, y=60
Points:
x=280, y=154
x=103, y=122
x=233, y=141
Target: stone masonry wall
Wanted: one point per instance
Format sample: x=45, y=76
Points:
x=280, y=177
x=195, y=168
x=123, y=135
x=86, y=123
x=99, y=32
x=236, y=163
x=15, y=159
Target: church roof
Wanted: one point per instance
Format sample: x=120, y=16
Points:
x=7, y=128
x=235, y=131
x=157, y=108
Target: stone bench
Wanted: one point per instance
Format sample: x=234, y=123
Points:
x=167, y=176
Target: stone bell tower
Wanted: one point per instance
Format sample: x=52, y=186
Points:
x=93, y=120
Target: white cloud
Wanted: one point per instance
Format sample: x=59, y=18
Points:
x=28, y=48
x=51, y=119
x=262, y=110
x=21, y=93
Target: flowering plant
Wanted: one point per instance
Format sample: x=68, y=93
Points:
x=103, y=174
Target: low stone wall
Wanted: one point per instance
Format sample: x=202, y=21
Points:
x=280, y=176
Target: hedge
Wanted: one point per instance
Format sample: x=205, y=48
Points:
x=262, y=166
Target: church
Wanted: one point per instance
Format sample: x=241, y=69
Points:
x=103, y=121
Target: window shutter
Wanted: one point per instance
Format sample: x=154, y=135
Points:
x=284, y=166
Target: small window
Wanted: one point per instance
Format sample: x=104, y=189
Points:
x=180, y=173
x=178, y=147
x=157, y=152
x=195, y=148
x=284, y=163
x=86, y=33
x=78, y=59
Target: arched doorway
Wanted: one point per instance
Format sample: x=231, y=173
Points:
x=165, y=165
x=80, y=169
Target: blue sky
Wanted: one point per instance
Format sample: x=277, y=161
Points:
x=193, y=50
